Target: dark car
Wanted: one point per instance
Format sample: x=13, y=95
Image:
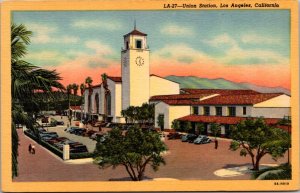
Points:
x=175, y=135
x=188, y=138
x=78, y=149
x=202, y=139
x=79, y=131
x=60, y=123
x=71, y=129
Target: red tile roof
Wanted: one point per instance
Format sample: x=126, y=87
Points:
x=115, y=78
x=136, y=32
x=178, y=96
x=75, y=108
x=249, y=99
x=218, y=91
x=222, y=119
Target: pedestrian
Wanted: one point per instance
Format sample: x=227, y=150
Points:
x=216, y=144
x=29, y=148
x=33, y=149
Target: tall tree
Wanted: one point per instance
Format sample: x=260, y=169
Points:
x=215, y=129
x=135, y=151
x=89, y=81
x=26, y=80
x=255, y=138
x=75, y=88
x=82, y=88
x=106, y=93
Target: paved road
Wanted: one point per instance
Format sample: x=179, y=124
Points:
x=184, y=161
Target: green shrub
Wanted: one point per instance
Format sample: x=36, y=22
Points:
x=81, y=155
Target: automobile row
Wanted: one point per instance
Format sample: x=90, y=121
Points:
x=86, y=133
x=191, y=138
x=53, y=139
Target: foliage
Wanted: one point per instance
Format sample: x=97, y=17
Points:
x=200, y=128
x=215, y=129
x=285, y=121
x=26, y=80
x=282, y=172
x=82, y=87
x=89, y=81
x=160, y=121
x=134, y=150
x=175, y=125
x=142, y=115
x=186, y=126
x=75, y=88
x=81, y=155
x=257, y=139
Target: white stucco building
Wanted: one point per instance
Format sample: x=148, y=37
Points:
x=133, y=88
x=136, y=86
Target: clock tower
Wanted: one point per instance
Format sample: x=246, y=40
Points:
x=135, y=69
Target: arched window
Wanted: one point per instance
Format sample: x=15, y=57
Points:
x=96, y=106
x=108, y=104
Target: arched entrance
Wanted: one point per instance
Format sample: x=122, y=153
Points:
x=96, y=104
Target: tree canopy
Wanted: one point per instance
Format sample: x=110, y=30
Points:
x=134, y=150
x=27, y=81
x=255, y=138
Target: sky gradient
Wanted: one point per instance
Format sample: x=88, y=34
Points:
x=238, y=45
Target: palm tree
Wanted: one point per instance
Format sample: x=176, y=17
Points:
x=89, y=81
x=75, y=88
x=106, y=93
x=26, y=80
x=82, y=87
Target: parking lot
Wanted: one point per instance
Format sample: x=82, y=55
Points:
x=184, y=161
x=60, y=130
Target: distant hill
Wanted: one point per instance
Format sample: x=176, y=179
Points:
x=221, y=83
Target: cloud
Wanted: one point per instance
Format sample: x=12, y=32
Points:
x=44, y=58
x=97, y=24
x=234, y=54
x=259, y=39
x=43, y=34
x=176, y=30
x=181, y=54
x=99, y=47
x=220, y=40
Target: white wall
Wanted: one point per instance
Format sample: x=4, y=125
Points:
x=271, y=112
x=176, y=112
x=161, y=86
x=280, y=101
x=162, y=108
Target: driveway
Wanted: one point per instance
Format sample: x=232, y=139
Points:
x=185, y=161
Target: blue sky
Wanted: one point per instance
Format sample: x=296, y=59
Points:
x=240, y=38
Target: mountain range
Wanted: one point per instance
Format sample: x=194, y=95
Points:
x=221, y=83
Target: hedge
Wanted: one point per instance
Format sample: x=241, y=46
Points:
x=57, y=151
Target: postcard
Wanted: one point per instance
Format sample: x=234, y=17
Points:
x=154, y=95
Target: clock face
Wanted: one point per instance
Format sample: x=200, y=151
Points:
x=139, y=61
x=125, y=61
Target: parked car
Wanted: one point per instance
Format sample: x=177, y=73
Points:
x=41, y=130
x=202, y=139
x=78, y=149
x=71, y=129
x=57, y=140
x=60, y=123
x=95, y=136
x=188, y=137
x=79, y=131
x=48, y=134
x=175, y=135
x=89, y=133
